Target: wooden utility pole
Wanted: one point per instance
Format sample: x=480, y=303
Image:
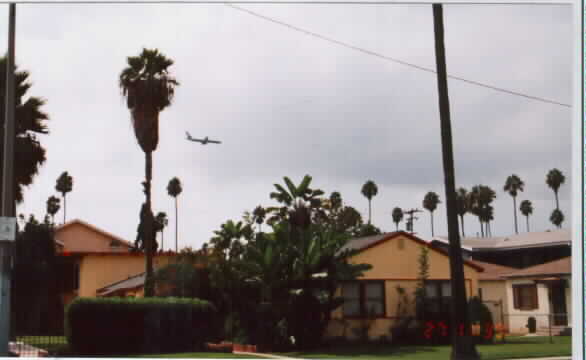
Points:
x=6, y=247
x=462, y=346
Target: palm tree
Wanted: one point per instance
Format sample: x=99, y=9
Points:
x=513, y=185
x=462, y=346
x=397, y=216
x=369, y=190
x=53, y=206
x=557, y=218
x=480, y=198
x=462, y=206
x=64, y=185
x=174, y=188
x=258, y=216
x=526, y=209
x=30, y=120
x=554, y=180
x=430, y=202
x=148, y=89
x=161, y=223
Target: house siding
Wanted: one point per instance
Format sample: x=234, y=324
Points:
x=517, y=318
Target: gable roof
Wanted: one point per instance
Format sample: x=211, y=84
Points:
x=133, y=282
x=95, y=229
x=492, y=271
x=367, y=242
x=562, y=266
x=519, y=241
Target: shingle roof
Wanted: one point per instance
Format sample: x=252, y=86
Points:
x=520, y=241
x=132, y=282
x=492, y=271
x=558, y=267
x=370, y=241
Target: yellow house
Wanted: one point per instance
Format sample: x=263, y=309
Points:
x=91, y=258
x=394, y=260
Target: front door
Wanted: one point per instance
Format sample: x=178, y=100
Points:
x=558, y=303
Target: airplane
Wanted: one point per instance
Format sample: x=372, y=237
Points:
x=202, y=141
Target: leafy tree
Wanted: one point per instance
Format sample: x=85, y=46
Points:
x=64, y=185
x=557, y=218
x=369, y=190
x=397, y=215
x=174, y=188
x=148, y=89
x=30, y=121
x=513, y=185
x=422, y=276
x=258, y=216
x=554, y=179
x=53, y=206
x=526, y=209
x=430, y=202
x=462, y=206
x=161, y=223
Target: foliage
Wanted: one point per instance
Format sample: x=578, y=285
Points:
x=463, y=206
x=430, y=202
x=481, y=315
x=369, y=190
x=30, y=120
x=480, y=199
x=422, y=276
x=557, y=217
x=100, y=326
x=397, y=215
x=526, y=209
x=53, y=206
x=174, y=188
x=35, y=293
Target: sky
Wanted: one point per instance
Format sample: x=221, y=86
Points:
x=285, y=103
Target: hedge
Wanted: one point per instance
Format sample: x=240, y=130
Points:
x=138, y=325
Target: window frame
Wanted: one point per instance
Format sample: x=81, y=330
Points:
x=362, y=298
x=518, y=303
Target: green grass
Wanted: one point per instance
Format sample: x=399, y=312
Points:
x=50, y=343
x=516, y=347
x=200, y=355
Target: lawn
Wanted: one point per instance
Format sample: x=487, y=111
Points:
x=200, y=355
x=50, y=343
x=516, y=347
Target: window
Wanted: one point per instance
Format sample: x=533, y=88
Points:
x=525, y=297
x=439, y=296
x=363, y=299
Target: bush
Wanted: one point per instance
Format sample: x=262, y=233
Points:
x=480, y=314
x=137, y=325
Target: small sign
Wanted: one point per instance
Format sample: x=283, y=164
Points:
x=7, y=228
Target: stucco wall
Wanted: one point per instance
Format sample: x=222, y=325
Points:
x=97, y=271
x=396, y=263
x=493, y=291
x=569, y=299
x=516, y=318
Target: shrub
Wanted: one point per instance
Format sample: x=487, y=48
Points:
x=137, y=325
x=480, y=314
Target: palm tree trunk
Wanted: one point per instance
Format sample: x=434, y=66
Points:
x=527, y=222
x=515, y=213
x=397, y=226
x=176, y=230
x=148, y=233
x=462, y=346
x=369, y=211
x=64, y=207
x=431, y=212
x=481, y=228
x=462, y=224
x=557, y=203
x=163, y=239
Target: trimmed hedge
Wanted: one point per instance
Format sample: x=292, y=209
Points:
x=138, y=325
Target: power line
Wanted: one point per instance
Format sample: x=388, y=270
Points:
x=388, y=58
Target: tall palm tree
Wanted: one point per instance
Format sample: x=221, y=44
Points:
x=148, y=89
x=430, y=202
x=554, y=180
x=526, y=209
x=53, y=206
x=64, y=185
x=481, y=196
x=462, y=346
x=161, y=223
x=462, y=206
x=30, y=121
x=369, y=190
x=513, y=185
x=397, y=216
x=174, y=188
x=258, y=215
x=557, y=218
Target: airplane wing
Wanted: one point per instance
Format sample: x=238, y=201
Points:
x=188, y=135
x=214, y=141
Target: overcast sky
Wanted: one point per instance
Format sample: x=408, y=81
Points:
x=288, y=104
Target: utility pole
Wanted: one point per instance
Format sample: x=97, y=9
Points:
x=6, y=230
x=462, y=346
x=410, y=220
